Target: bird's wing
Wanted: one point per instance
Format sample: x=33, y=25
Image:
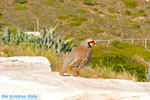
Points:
x=70, y=58
x=83, y=56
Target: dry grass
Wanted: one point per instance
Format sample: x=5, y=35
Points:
x=27, y=50
x=106, y=73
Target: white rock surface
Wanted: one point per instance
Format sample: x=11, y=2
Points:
x=52, y=86
x=24, y=63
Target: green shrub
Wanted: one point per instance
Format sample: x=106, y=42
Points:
x=142, y=12
x=148, y=7
x=81, y=10
x=130, y=3
x=139, y=13
x=97, y=30
x=111, y=16
x=95, y=9
x=75, y=24
x=118, y=62
x=89, y=3
x=3, y=25
x=102, y=5
x=111, y=10
x=21, y=1
x=120, y=45
x=1, y=14
x=20, y=8
x=79, y=19
x=45, y=3
x=100, y=12
x=127, y=12
x=135, y=26
x=62, y=17
x=68, y=36
x=121, y=63
x=61, y=0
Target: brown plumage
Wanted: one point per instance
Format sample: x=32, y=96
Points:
x=78, y=57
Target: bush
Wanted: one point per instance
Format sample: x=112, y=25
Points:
x=95, y=9
x=21, y=1
x=127, y=12
x=111, y=10
x=62, y=17
x=130, y=3
x=97, y=30
x=20, y=8
x=2, y=25
x=77, y=21
x=100, y=12
x=82, y=10
x=75, y=24
x=89, y=3
x=1, y=14
x=139, y=13
x=61, y=0
x=120, y=45
x=135, y=26
x=119, y=64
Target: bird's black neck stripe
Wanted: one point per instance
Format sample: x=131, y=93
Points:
x=89, y=45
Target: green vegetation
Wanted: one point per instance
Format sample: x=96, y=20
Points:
x=62, y=17
x=77, y=21
x=48, y=40
x=89, y=3
x=95, y=9
x=21, y=1
x=82, y=10
x=97, y=30
x=112, y=10
x=139, y=13
x=130, y=3
x=1, y=14
x=127, y=12
x=20, y=8
x=121, y=57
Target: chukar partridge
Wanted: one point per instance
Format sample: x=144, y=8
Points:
x=78, y=57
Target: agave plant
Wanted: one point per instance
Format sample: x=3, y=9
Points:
x=147, y=74
x=48, y=40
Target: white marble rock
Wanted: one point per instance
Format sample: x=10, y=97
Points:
x=25, y=63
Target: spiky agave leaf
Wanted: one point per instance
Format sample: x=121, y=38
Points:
x=52, y=30
x=6, y=35
x=12, y=38
x=147, y=74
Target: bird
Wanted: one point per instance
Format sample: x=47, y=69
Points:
x=78, y=57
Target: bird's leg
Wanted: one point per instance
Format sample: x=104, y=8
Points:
x=78, y=73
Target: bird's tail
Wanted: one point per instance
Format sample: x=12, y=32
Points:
x=62, y=71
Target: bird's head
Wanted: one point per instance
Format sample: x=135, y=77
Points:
x=88, y=43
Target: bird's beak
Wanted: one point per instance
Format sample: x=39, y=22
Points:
x=94, y=42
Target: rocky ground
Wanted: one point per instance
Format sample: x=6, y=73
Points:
x=44, y=85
